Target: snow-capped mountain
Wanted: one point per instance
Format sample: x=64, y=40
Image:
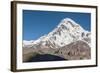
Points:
x=66, y=32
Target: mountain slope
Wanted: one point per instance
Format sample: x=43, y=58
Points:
x=78, y=50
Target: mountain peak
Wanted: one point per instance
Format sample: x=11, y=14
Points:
x=68, y=23
x=68, y=19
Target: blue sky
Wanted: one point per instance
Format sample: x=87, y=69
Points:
x=38, y=23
